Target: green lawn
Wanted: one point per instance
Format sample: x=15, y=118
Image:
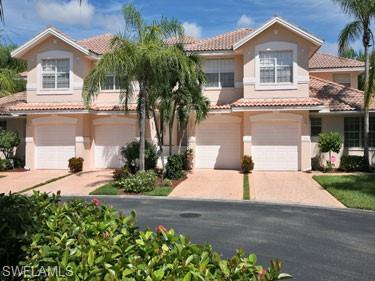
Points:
x=354, y=191
x=107, y=189
x=246, y=187
x=111, y=189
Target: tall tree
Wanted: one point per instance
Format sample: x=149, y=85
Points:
x=139, y=59
x=363, y=12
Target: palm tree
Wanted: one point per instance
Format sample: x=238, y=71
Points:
x=363, y=12
x=139, y=54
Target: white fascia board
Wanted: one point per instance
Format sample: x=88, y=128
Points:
x=17, y=53
x=338, y=69
x=284, y=23
x=275, y=108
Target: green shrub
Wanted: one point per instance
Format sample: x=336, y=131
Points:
x=121, y=173
x=351, y=163
x=167, y=182
x=5, y=164
x=330, y=142
x=130, y=152
x=18, y=221
x=17, y=162
x=175, y=167
x=8, y=141
x=89, y=241
x=76, y=164
x=142, y=181
x=247, y=164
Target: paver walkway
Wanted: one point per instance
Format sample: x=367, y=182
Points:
x=19, y=180
x=79, y=184
x=211, y=184
x=290, y=187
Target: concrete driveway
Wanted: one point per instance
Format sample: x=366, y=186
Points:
x=16, y=181
x=79, y=184
x=290, y=187
x=211, y=184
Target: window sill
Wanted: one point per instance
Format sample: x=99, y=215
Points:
x=271, y=87
x=218, y=88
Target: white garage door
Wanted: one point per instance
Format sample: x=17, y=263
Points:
x=108, y=141
x=275, y=145
x=218, y=142
x=55, y=144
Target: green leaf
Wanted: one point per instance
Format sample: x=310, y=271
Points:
x=252, y=258
x=284, y=276
x=189, y=259
x=92, y=242
x=91, y=257
x=159, y=274
x=187, y=277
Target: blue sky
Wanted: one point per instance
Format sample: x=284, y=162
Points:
x=201, y=18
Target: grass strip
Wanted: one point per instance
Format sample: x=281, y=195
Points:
x=246, y=187
x=43, y=183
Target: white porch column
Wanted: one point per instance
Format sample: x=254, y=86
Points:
x=247, y=145
x=305, y=153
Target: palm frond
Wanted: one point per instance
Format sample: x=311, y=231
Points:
x=351, y=32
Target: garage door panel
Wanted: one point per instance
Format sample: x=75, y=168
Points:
x=55, y=145
x=275, y=145
x=218, y=145
x=108, y=142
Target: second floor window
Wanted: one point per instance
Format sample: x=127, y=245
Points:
x=55, y=73
x=343, y=79
x=276, y=67
x=111, y=83
x=219, y=73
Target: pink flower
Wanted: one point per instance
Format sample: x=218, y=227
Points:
x=96, y=202
x=161, y=228
x=333, y=158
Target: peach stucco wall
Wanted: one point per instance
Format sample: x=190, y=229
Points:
x=329, y=76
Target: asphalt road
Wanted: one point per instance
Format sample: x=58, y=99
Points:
x=314, y=243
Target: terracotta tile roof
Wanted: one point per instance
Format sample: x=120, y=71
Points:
x=335, y=96
x=218, y=106
x=276, y=102
x=11, y=100
x=99, y=44
x=186, y=40
x=320, y=60
x=68, y=107
x=220, y=42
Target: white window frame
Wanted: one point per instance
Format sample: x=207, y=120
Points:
x=276, y=46
x=55, y=54
x=219, y=72
x=114, y=90
x=341, y=76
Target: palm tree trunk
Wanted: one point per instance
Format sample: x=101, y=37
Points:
x=160, y=143
x=365, y=108
x=181, y=139
x=170, y=129
x=142, y=128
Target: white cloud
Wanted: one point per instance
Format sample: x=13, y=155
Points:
x=192, y=29
x=244, y=21
x=69, y=13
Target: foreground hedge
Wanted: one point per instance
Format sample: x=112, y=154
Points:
x=94, y=242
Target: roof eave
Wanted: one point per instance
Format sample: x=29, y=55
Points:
x=21, y=50
x=315, y=40
x=337, y=69
x=275, y=108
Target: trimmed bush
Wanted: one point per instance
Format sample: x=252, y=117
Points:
x=89, y=241
x=175, y=167
x=351, y=163
x=8, y=141
x=167, y=182
x=5, y=164
x=330, y=142
x=247, y=164
x=76, y=164
x=142, y=181
x=130, y=152
x=121, y=173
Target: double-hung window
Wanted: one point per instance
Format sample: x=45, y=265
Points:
x=343, y=79
x=354, y=132
x=316, y=126
x=111, y=83
x=55, y=73
x=276, y=67
x=3, y=125
x=219, y=73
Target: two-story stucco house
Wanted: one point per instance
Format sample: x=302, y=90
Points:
x=271, y=94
